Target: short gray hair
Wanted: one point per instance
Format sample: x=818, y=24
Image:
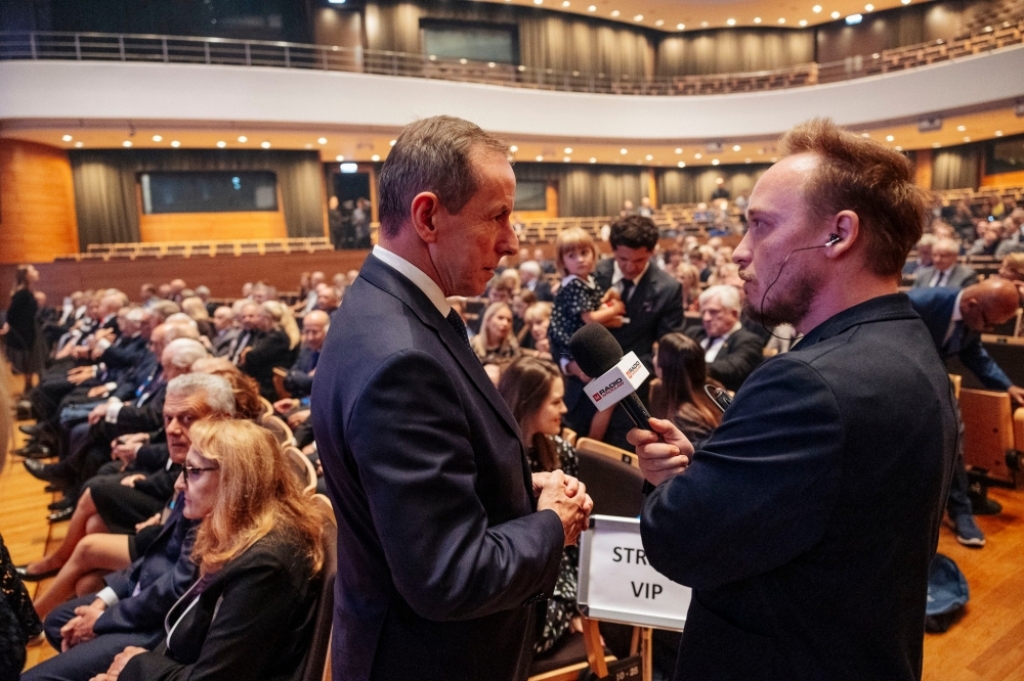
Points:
x=184, y=352
x=530, y=266
x=219, y=396
x=431, y=155
x=728, y=296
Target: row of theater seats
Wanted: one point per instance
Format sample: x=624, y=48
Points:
x=211, y=249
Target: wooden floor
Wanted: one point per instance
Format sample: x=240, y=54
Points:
x=986, y=644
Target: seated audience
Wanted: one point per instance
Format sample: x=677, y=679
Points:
x=299, y=381
x=495, y=344
x=327, y=298
x=1012, y=269
x=532, y=279
x=988, y=243
x=534, y=336
x=247, y=312
x=275, y=344
x=731, y=352
x=225, y=331
x=680, y=367
x=924, y=255
x=195, y=308
x=259, y=550
x=945, y=272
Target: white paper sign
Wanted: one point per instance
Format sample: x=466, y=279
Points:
x=617, y=383
x=617, y=584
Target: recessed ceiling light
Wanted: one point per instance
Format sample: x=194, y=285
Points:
x=746, y=160
x=67, y=138
x=375, y=158
x=999, y=133
x=679, y=150
x=961, y=128
x=513, y=148
x=339, y=158
x=126, y=143
x=803, y=22
x=265, y=145
x=714, y=161
x=757, y=20
x=730, y=21
x=935, y=145
x=816, y=9
x=905, y=2
x=680, y=27
x=774, y=159
x=158, y=138
x=392, y=143
x=309, y=145
x=869, y=8
x=649, y=157
x=704, y=24
x=681, y=164
x=322, y=140
x=836, y=15
x=566, y=159
x=736, y=147
x=761, y=151
x=697, y=156
x=638, y=17
x=967, y=139
x=221, y=144
x=659, y=22
x=538, y=2
x=623, y=151
x=79, y=145
x=593, y=160
x=864, y=134
x=568, y=150
x=592, y=8
x=854, y=19
x=243, y=139
x=540, y=158
x=616, y=12
x=898, y=148
x=566, y=3
x=889, y=138
x=175, y=144
x=782, y=20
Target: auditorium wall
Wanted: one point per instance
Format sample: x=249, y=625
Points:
x=37, y=203
x=733, y=51
x=692, y=185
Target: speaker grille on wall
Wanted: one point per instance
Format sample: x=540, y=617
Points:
x=929, y=124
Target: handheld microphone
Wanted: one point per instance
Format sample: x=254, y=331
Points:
x=616, y=377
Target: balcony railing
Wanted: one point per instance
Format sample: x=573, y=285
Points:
x=222, y=51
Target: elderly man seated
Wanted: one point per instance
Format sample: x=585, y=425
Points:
x=731, y=352
x=945, y=272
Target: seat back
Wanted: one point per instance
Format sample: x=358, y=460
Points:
x=615, y=487
x=988, y=431
x=317, y=666
x=605, y=449
x=302, y=467
x=282, y=433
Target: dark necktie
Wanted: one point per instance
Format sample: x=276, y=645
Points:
x=455, y=320
x=627, y=288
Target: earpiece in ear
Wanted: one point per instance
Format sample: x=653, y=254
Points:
x=833, y=239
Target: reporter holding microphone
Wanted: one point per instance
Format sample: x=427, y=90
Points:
x=806, y=523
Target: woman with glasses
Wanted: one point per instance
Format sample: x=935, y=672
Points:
x=259, y=549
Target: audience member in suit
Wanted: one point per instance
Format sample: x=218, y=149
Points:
x=259, y=552
x=444, y=544
x=848, y=439
x=956, y=320
x=731, y=352
x=98, y=626
x=924, y=255
x=225, y=331
x=299, y=381
x=275, y=345
x=989, y=241
x=654, y=307
x=531, y=277
x=249, y=320
x=946, y=272
x=327, y=299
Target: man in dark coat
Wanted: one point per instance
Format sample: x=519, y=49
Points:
x=444, y=549
x=807, y=522
x=731, y=352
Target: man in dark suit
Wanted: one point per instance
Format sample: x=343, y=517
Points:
x=654, y=306
x=956, y=320
x=807, y=522
x=444, y=548
x=945, y=272
x=731, y=352
x=299, y=381
x=532, y=279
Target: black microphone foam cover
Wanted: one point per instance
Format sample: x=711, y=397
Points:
x=595, y=349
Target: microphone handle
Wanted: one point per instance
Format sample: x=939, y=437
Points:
x=637, y=411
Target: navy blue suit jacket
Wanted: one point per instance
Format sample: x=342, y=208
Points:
x=935, y=305
x=441, y=555
x=298, y=382
x=807, y=522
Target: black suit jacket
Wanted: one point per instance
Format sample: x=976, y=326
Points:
x=739, y=355
x=441, y=555
x=298, y=381
x=654, y=309
x=268, y=350
x=962, y=276
x=807, y=522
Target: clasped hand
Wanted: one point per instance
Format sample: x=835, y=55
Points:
x=664, y=451
x=566, y=496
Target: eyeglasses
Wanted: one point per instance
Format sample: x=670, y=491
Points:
x=192, y=473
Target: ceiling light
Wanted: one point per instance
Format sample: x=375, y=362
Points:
x=649, y=157
x=898, y=148
x=243, y=139
x=568, y=150
x=265, y=145
x=513, y=148
x=816, y=9
x=616, y=13
x=757, y=20
x=854, y=19
x=782, y=20
x=336, y=2
x=309, y=145
x=681, y=164
x=392, y=143
x=803, y=22
x=704, y=24
x=538, y=2
x=761, y=151
x=78, y=145
x=774, y=159
x=322, y=140
x=935, y=145
x=869, y=8
x=375, y=158
x=730, y=21
x=714, y=161
x=540, y=158
x=836, y=15
x=638, y=17
x=593, y=160
x=623, y=151
x=157, y=138
x=905, y=2
x=221, y=144
x=864, y=134
x=746, y=160
x=339, y=158
x=349, y=168
x=175, y=144
x=961, y=128
x=679, y=150
x=126, y=143
x=967, y=139
x=680, y=27
x=566, y=159
x=566, y=3
x=999, y=133
x=592, y=8
x=889, y=138
x=697, y=156
x=736, y=147
x=67, y=138
x=659, y=22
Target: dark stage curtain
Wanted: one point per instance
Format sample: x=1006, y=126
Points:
x=958, y=168
x=106, y=186
x=589, y=191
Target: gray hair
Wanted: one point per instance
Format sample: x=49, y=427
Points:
x=728, y=296
x=219, y=396
x=530, y=266
x=184, y=352
x=431, y=155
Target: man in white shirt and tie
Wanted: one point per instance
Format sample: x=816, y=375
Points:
x=945, y=272
x=731, y=352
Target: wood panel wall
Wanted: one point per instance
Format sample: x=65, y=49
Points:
x=37, y=203
x=1003, y=180
x=923, y=168
x=206, y=226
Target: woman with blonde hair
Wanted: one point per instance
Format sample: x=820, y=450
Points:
x=259, y=548
x=195, y=308
x=496, y=344
x=284, y=321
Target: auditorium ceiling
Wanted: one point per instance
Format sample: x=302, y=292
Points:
x=367, y=146
x=674, y=16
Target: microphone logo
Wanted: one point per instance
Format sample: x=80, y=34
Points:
x=607, y=389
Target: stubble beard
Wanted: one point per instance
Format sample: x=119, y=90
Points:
x=787, y=301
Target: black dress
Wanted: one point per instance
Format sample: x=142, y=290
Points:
x=22, y=348
x=575, y=297
x=18, y=619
